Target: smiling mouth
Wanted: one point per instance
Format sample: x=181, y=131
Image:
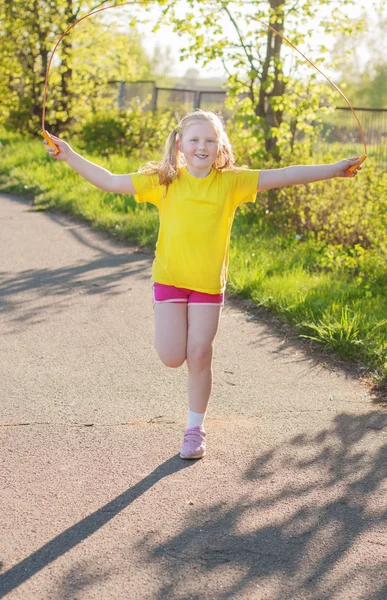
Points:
x=201, y=155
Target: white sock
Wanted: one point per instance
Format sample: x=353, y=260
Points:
x=195, y=419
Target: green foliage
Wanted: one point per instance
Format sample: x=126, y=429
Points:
x=342, y=212
x=272, y=91
x=323, y=299
x=90, y=55
x=132, y=132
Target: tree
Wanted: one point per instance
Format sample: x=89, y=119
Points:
x=269, y=87
x=90, y=55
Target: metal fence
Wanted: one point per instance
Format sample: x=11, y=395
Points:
x=121, y=93
x=339, y=128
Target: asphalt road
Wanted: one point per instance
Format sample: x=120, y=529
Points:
x=290, y=502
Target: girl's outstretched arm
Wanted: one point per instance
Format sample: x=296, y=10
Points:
x=98, y=176
x=274, y=178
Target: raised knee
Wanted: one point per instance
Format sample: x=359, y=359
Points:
x=171, y=361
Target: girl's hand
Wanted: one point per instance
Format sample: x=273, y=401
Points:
x=343, y=166
x=65, y=149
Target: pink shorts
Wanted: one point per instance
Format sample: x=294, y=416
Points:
x=169, y=293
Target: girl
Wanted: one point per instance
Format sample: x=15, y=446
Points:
x=197, y=189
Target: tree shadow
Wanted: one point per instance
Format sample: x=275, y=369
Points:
x=307, y=528
x=101, y=275
x=319, y=508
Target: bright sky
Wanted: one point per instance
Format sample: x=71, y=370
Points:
x=165, y=37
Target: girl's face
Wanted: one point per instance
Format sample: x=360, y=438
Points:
x=199, y=145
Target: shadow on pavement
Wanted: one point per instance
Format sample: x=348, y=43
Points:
x=316, y=512
x=56, y=282
x=79, y=277
x=319, y=515
x=70, y=538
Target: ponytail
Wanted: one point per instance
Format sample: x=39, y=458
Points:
x=170, y=164
x=169, y=167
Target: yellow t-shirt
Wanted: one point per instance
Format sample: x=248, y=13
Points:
x=196, y=217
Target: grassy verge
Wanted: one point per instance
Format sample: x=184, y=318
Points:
x=327, y=304
x=27, y=170
x=343, y=313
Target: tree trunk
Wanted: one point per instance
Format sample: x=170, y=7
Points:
x=271, y=117
x=66, y=94
x=264, y=109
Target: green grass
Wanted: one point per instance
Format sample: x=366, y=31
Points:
x=331, y=305
x=27, y=170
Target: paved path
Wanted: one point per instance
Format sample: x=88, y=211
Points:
x=290, y=502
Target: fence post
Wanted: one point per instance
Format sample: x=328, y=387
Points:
x=154, y=98
x=196, y=100
x=121, y=90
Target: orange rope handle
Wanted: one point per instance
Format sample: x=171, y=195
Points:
x=47, y=136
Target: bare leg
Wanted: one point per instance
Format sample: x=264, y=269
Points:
x=171, y=333
x=203, y=324
x=200, y=384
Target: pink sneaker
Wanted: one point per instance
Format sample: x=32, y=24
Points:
x=194, y=445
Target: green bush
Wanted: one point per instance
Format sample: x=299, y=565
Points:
x=350, y=212
x=133, y=132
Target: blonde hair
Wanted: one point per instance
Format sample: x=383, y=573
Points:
x=168, y=168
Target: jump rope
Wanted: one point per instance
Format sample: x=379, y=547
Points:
x=47, y=136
